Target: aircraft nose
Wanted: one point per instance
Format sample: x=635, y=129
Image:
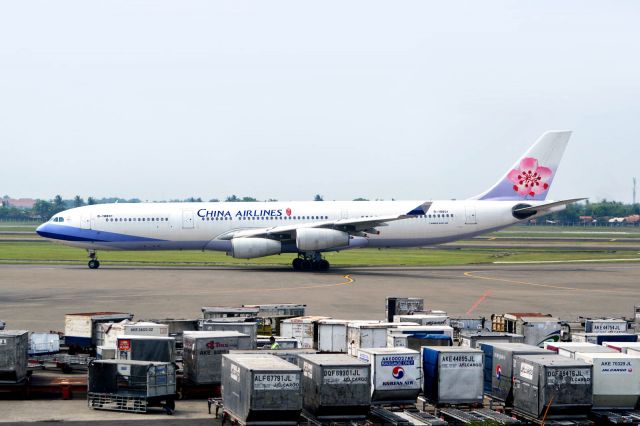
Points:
x=42, y=230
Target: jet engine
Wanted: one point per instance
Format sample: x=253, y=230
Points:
x=313, y=239
x=249, y=248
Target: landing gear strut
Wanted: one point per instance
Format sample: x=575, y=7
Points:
x=93, y=260
x=312, y=261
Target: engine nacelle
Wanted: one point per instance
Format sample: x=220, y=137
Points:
x=249, y=248
x=312, y=239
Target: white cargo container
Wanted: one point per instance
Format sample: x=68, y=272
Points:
x=367, y=335
x=633, y=351
x=332, y=335
x=107, y=333
x=44, y=343
x=598, y=338
x=303, y=329
x=570, y=351
x=616, y=379
x=622, y=347
x=396, y=376
x=605, y=325
x=424, y=335
x=81, y=329
x=146, y=328
x=105, y=352
x=397, y=340
x=423, y=319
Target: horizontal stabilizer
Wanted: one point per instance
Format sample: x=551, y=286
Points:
x=542, y=208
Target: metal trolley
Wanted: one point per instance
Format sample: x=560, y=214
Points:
x=131, y=386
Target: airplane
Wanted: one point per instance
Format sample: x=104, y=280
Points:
x=311, y=228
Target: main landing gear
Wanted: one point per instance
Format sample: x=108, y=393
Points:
x=93, y=260
x=310, y=262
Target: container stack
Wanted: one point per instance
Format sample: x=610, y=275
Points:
x=452, y=374
x=261, y=389
x=335, y=386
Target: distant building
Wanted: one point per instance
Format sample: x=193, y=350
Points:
x=21, y=203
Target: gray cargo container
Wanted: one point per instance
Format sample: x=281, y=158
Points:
x=209, y=312
x=261, y=389
x=403, y=306
x=553, y=384
x=146, y=348
x=105, y=352
x=203, y=350
x=178, y=326
x=472, y=339
x=498, y=367
x=605, y=325
x=452, y=374
x=14, y=347
x=396, y=376
x=289, y=355
x=335, y=386
x=248, y=328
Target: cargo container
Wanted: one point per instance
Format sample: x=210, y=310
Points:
x=474, y=324
x=616, y=379
x=452, y=374
x=598, y=338
x=303, y=329
x=212, y=312
x=289, y=355
x=178, y=326
x=551, y=385
x=367, y=335
x=107, y=333
x=422, y=319
x=335, y=386
x=498, y=367
x=471, y=339
x=396, y=376
x=397, y=340
x=622, y=347
x=248, y=328
x=131, y=386
x=536, y=328
x=425, y=335
x=81, y=329
x=332, y=335
x=14, y=347
x=44, y=343
x=146, y=348
x=572, y=351
x=270, y=315
x=105, y=352
x=261, y=389
x=633, y=351
x=264, y=342
x=402, y=306
x=608, y=325
x=203, y=352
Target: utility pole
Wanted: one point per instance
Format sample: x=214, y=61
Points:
x=634, y=190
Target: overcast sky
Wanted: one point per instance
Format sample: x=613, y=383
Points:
x=404, y=100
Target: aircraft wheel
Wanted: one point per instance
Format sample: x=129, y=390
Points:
x=94, y=264
x=323, y=265
x=307, y=265
x=297, y=264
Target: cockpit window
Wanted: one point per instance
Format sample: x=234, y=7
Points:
x=57, y=219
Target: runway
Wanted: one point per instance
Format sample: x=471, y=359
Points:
x=37, y=297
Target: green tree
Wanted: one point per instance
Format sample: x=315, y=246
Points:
x=43, y=209
x=232, y=198
x=78, y=201
x=318, y=197
x=91, y=201
x=360, y=199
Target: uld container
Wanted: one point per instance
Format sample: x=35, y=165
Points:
x=178, y=326
x=332, y=335
x=616, y=379
x=203, y=350
x=397, y=340
x=146, y=348
x=423, y=319
x=264, y=342
x=396, y=376
x=452, y=374
x=622, y=347
x=44, y=343
x=425, y=335
x=261, y=389
x=289, y=355
x=551, y=386
x=335, y=385
x=105, y=352
x=210, y=312
x=367, y=335
x=403, y=306
x=471, y=339
x=598, y=338
x=303, y=329
x=498, y=367
x=248, y=328
x=608, y=325
x=81, y=329
x=14, y=346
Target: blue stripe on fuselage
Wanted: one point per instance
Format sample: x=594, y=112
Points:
x=71, y=233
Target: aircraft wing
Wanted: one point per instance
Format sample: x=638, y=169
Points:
x=352, y=226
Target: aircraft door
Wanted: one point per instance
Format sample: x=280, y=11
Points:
x=187, y=219
x=470, y=214
x=85, y=221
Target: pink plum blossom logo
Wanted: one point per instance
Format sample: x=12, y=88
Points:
x=530, y=178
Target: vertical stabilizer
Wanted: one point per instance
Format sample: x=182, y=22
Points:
x=531, y=176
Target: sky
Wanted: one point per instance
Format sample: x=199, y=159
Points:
x=287, y=99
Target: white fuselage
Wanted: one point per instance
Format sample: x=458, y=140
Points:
x=202, y=226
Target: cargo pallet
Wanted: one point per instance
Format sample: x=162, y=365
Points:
x=458, y=417
x=554, y=421
x=309, y=419
x=128, y=403
x=404, y=418
x=615, y=417
x=65, y=362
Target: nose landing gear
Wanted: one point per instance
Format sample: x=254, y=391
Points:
x=310, y=262
x=93, y=260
